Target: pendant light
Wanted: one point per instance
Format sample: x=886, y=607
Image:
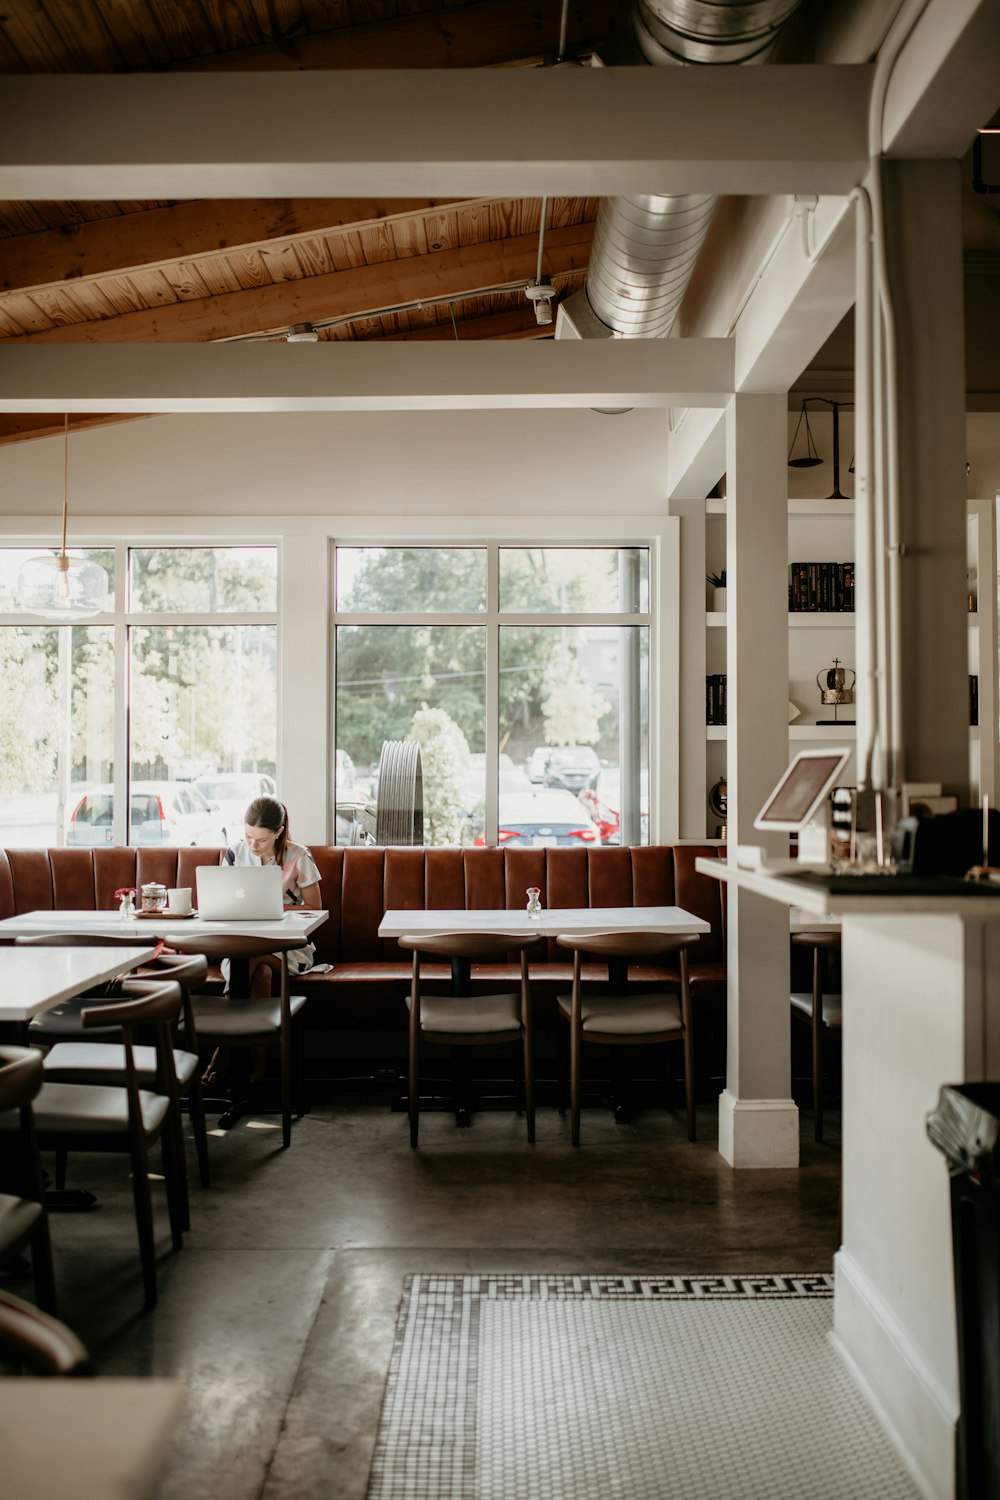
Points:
x=57, y=586
x=810, y=459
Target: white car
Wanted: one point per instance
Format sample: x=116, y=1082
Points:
x=544, y=820
x=172, y=813
x=233, y=792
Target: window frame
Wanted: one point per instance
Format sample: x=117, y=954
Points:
x=662, y=542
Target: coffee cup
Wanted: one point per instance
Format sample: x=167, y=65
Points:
x=179, y=902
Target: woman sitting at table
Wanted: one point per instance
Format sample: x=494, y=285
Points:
x=266, y=842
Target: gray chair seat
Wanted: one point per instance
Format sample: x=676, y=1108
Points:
x=618, y=1015
x=234, y=1017
x=72, y=1109
x=104, y=1062
x=65, y=1020
x=475, y=1015
x=833, y=1011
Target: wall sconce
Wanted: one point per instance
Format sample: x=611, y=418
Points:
x=811, y=458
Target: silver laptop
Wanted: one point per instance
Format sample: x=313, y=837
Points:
x=239, y=893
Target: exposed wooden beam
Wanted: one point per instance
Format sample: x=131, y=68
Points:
x=501, y=132
x=540, y=374
x=16, y=428
x=338, y=294
x=471, y=36
x=186, y=231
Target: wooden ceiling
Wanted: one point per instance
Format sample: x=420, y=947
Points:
x=237, y=269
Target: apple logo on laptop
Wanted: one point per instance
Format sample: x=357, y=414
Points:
x=240, y=893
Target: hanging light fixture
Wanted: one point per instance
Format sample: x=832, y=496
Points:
x=810, y=459
x=57, y=586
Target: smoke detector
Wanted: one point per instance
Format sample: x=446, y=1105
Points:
x=541, y=294
x=302, y=333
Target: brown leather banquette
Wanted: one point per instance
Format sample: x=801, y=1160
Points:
x=368, y=974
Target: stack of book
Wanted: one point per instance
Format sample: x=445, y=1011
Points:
x=823, y=587
x=715, y=698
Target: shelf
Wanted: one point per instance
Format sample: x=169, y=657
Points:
x=822, y=732
x=798, y=619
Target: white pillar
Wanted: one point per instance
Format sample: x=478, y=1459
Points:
x=304, y=717
x=758, y=1120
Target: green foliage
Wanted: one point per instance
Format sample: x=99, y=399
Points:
x=444, y=757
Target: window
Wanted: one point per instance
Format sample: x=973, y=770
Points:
x=181, y=671
x=523, y=674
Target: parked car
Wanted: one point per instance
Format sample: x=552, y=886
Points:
x=160, y=812
x=572, y=767
x=543, y=819
x=233, y=792
x=603, y=802
x=537, y=761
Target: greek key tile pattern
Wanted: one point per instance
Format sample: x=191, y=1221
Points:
x=511, y=1387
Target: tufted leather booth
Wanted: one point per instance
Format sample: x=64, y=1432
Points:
x=369, y=974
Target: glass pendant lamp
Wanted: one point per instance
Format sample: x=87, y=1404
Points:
x=56, y=585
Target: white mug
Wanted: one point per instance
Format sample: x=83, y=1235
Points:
x=179, y=902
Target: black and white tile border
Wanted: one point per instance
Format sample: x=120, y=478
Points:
x=576, y=1288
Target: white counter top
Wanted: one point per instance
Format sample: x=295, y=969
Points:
x=817, y=902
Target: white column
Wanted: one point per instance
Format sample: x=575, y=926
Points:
x=758, y=1120
x=304, y=718
x=921, y=1009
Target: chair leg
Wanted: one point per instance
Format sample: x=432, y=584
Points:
x=562, y=1062
x=413, y=1088
x=144, y=1223
x=529, y=1088
x=41, y=1267
x=286, y=1092
x=574, y=1085
x=817, y=1045
x=689, y=1091
x=196, y=1106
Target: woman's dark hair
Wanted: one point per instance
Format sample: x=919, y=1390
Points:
x=268, y=812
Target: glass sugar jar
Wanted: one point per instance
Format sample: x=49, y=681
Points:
x=154, y=897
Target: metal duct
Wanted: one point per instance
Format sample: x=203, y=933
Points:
x=645, y=247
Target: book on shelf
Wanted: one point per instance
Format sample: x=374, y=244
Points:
x=715, y=698
x=973, y=698
x=821, y=587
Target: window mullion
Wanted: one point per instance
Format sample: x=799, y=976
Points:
x=492, y=690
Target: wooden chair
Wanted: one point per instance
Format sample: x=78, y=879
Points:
x=609, y=1014
x=823, y=1012
x=80, y=1055
x=247, y=1021
x=465, y=1020
x=88, y=1117
x=39, y=1343
x=24, y=1219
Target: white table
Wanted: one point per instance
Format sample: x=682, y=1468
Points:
x=552, y=921
x=35, y=979
x=89, y=1439
x=299, y=923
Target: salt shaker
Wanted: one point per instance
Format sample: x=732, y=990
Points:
x=534, y=905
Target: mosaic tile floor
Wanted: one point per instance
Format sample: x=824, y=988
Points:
x=595, y=1387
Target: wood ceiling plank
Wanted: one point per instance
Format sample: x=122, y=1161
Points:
x=154, y=288
x=185, y=282
x=82, y=29
x=185, y=231
x=282, y=263
x=16, y=428
x=239, y=313
x=182, y=27
x=474, y=224
x=232, y=26
x=313, y=257
x=487, y=34
x=249, y=268
x=135, y=34
x=347, y=251
x=278, y=19
x=26, y=313
x=36, y=41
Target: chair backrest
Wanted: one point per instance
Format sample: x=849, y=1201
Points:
x=147, y=1003
x=234, y=945
x=20, y=1076
x=39, y=1343
x=625, y=944
x=480, y=947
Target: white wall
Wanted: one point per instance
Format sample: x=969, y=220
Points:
x=395, y=463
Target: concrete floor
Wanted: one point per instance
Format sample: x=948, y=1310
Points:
x=278, y=1315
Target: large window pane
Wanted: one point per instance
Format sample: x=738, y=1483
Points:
x=56, y=727
x=198, y=580
x=405, y=580
x=574, y=580
x=574, y=717
x=11, y=559
x=400, y=682
x=203, y=703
